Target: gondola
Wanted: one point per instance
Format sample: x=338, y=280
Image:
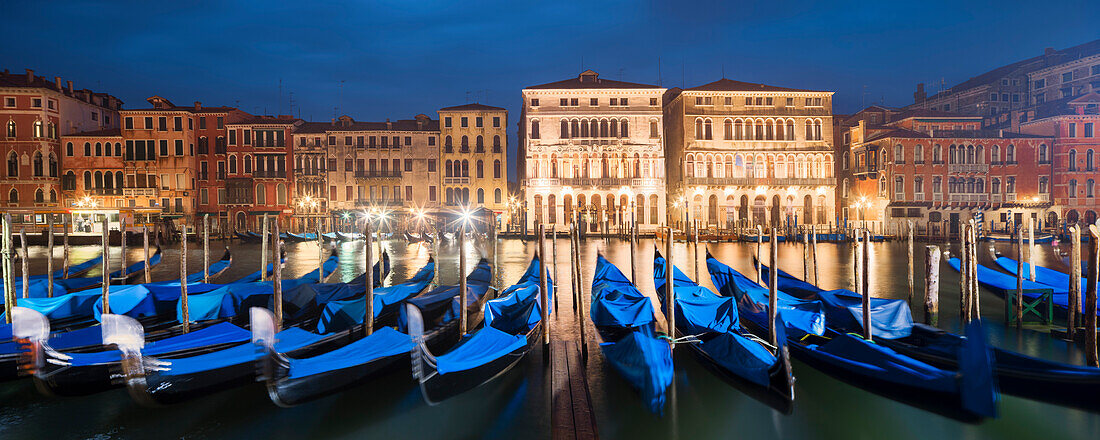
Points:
x=1048, y=277
x=329, y=236
x=753, y=238
x=412, y=238
x=39, y=287
x=183, y=378
x=625, y=323
x=967, y=394
x=300, y=238
x=72, y=373
x=449, y=236
x=512, y=326
x=74, y=270
x=723, y=345
x=291, y=381
x=1010, y=238
x=342, y=236
x=1017, y=374
x=1004, y=285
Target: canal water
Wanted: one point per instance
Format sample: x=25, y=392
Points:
x=517, y=405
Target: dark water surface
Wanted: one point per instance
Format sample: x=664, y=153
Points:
x=517, y=405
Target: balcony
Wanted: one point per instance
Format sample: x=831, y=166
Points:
x=107, y=191
x=219, y=149
x=269, y=174
x=135, y=192
x=269, y=144
x=587, y=182
x=968, y=168
x=309, y=172
x=386, y=202
x=456, y=180
x=968, y=198
x=375, y=174
x=766, y=181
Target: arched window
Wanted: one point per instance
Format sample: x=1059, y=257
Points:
x=87, y=149
x=603, y=128
x=1072, y=188
x=738, y=130
x=37, y=164
x=727, y=130
x=496, y=144
x=769, y=133
x=1042, y=152
x=496, y=196
x=481, y=196
x=614, y=128
x=98, y=149
x=69, y=149
x=623, y=129
x=479, y=169
x=995, y=186
x=918, y=154
x=809, y=130
x=53, y=196
x=38, y=129
x=13, y=196
x=969, y=154
x=995, y=154
x=448, y=145
x=261, y=194
x=465, y=168
x=564, y=129
x=1089, y=164
x=450, y=196
x=899, y=153
x=479, y=144
x=1073, y=160
x=118, y=149
x=708, y=133
x=790, y=129
x=13, y=165
x=233, y=164
x=38, y=196
x=1090, y=186
x=779, y=131
x=844, y=188
x=458, y=169
x=280, y=193
x=1044, y=185
x=465, y=144
x=496, y=169
x=1010, y=154
x=447, y=169
x=937, y=154
x=247, y=164
x=574, y=128
x=584, y=129
x=11, y=128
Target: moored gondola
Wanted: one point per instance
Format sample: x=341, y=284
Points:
x=512, y=326
x=625, y=322
x=967, y=394
x=733, y=353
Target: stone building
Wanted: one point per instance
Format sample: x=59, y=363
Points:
x=593, y=147
x=259, y=178
x=744, y=154
x=211, y=134
x=160, y=144
x=474, y=157
x=36, y=113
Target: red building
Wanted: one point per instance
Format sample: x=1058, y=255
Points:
x=211, y=135
x=36, y=113
x=259, y=173
x=1074, y=126
x=939, y=169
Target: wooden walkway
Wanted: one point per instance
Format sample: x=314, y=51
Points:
x=571, y=414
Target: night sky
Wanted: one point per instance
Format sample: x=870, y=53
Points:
x=396, y=59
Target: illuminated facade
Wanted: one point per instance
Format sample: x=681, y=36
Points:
x=747, y=154
x=593, y=147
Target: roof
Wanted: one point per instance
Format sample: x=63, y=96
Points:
x=926, y=113
x=729, y=85
x=473, y=106
x=260, y=120
x=8, y=79
x=589, y=79
x=107, y=132
x=1056, y=57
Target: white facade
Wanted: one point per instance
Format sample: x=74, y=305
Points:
x=594, y=157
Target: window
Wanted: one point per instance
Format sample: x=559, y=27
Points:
x=1040, y=98
x=496, y=121
x=496, y=169
x=179, y=147
x=1067, y=77
x=202, y=123
x=465, y=121
x=1072, y=130
x=37, y=129
x=496, y=144
x=177, y=123
x=918, y=154
x=653, y=102
x=992, y=96
x=1066, y=92
x=653, y=130
x=1090, y=186
x=1040, y=83
x=1089, y=164
x=534, y=130
x=594, y=102
x=163, y=147
x=162, y=123
x=129, y=122
x=9, y=102
x=899, y=154
x=36, y=103
x=221, y=122
x=564, y=102
x=431, y=165
x=534, y=103
x=478, y=121
x=1087, y=129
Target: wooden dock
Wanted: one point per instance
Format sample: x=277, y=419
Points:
x=571, y=413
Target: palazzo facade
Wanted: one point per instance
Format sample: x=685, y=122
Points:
x=593, y=149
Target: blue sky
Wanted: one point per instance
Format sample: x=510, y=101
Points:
x=396, y=59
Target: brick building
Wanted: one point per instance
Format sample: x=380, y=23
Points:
x=259, y=171
x=1074, y=126
x=938, y=169
x=36, y=114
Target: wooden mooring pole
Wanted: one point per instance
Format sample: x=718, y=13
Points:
x=122, y=245
x=1031, y=248
x=932, y=285
x=805, y=254
x=773, y=300
x=867, y=333
x=368, y=250
x=462, y=294
x=184, y=302
x=975, y=298
x=759, y=256
x=24, y=265
x=544, y=297
x=49, y=256
x=670, y=291
x=1074, y=302
x=964, y=274
x=912, y=264
x=8, y=269
x=65, y=252
x=277, y=278
x=1018, y=306
x=813, y=241
x=106, y=276
x=145, y=243
x=1090, y=297
x=205, y=248
x=553, y=263
x=263, y=252
x=858, y=257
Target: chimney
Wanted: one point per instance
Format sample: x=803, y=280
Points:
x=198, y=106
x=389, y=125
x=920, y=95
x=334, y=121
x=30, y=76
x=1001, y=133
x=69, y=85
x=57, y=83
